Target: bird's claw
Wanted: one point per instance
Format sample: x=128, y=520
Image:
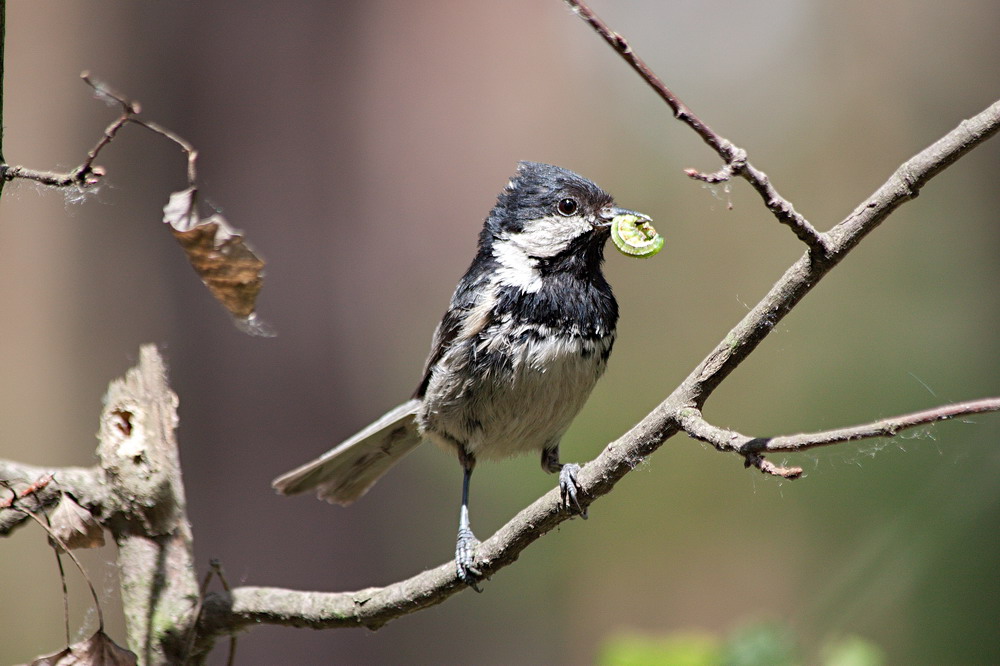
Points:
x=465, y=556
x=569, y=488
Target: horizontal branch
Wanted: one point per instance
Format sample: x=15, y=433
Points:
x=83, y=483
x=694, y=424
x=78, y=177
x=371, y=607
x=888, y=427
x=735, y=157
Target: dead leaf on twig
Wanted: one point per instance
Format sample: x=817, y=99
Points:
x=220, y=257
x=98, y=650
x=74, y=526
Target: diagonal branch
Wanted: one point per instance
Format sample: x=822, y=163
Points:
x=903, y=185
x=734, y=156
x=161, y=526
x=906, y=182
x=374, y=607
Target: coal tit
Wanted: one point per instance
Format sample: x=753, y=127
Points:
x=527, y=335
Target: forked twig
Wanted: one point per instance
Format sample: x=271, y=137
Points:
x=87, y=174
x=695, y=425
x=735, y=158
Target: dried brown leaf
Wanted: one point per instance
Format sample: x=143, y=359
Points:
x=232, y=272
x=75, y=526
x=98, y=650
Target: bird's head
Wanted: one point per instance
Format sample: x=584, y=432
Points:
x=548, y=219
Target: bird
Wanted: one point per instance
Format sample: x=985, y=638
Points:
x=526, y=336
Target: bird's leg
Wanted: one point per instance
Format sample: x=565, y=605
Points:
x=569, y=487
x=465, y=548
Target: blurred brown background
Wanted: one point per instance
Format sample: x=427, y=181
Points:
x=359, y=145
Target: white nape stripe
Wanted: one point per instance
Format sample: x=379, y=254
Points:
x=517, y=269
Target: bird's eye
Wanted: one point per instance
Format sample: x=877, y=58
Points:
x=567, y=207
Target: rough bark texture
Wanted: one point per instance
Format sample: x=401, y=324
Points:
x=138, y=453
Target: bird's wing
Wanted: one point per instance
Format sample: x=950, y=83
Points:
x=444, y=335
x=467, y=315
x=347, y=471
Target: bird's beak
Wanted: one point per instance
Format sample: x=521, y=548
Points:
x=607, y=214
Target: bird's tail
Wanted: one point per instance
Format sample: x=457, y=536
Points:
x=347, y=471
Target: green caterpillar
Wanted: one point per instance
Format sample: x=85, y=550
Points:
x=635, y=236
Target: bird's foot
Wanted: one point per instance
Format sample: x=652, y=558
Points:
x=465, y=557
x=570, y=488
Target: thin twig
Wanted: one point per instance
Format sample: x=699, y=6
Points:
x=51, y=178
x=193, y=630
x=752, y=448
x=62, y=575
x=72, y=556
x=767, y=467
x=130, y=110
x=221, y=575
x=723, y=174
x=87, y=175
x=734, y=156
x=185, y=145
x=214, y=570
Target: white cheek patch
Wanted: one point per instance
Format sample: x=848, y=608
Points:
x=542, y=238
x=549, y=236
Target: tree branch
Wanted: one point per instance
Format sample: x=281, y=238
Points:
x=139, y=457
x=87, y=174
x=906, y=182
x=137, y=492
x=695, y=425
x=804, y=274
x=373, y=607
x=144, y=504
x=735, y=157
x=85, y=484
